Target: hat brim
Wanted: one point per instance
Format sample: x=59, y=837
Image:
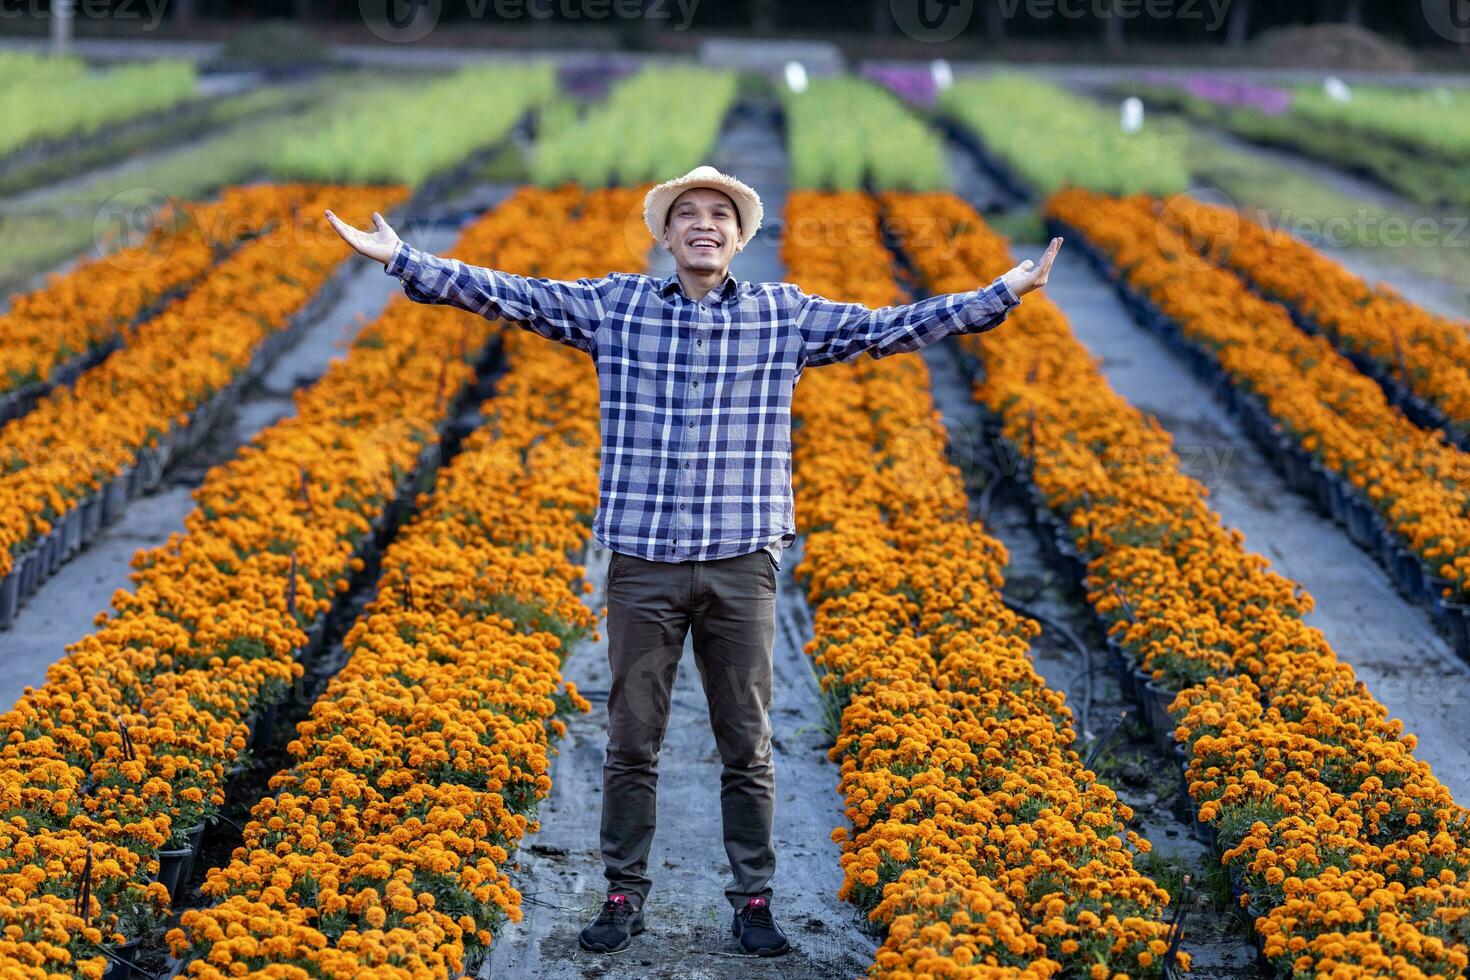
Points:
x=747, y=202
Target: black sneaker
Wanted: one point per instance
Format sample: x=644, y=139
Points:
x=757, y=932
x=615, y=926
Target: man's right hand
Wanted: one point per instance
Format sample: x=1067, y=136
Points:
x=377, y=244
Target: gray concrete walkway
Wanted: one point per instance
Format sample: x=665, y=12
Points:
x=687, y=916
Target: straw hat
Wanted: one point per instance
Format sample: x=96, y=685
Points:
x=747, y=202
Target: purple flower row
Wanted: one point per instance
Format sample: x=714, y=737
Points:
x=1226, y=92
x=913, y=85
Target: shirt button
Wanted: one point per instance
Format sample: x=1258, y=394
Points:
x=699, y=343
x=682, y=506
x=686, y=464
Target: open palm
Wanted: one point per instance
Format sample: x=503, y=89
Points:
x=377, y=244
x=1032, y=275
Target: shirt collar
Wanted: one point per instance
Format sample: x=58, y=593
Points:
x=723, y=291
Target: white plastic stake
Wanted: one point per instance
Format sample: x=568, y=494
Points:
x=796, y=76
x=1131, y=114
x=942, y=74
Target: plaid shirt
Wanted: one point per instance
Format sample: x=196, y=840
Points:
x=696, y=396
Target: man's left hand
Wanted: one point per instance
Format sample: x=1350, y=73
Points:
x=1032, y=275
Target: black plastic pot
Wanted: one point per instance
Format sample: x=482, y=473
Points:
x=28, y=572
x=1184, y=805
x=171, y=865
x=1456, y=620
x=53, y=549
x=1409, y=571
x=115, y=497
x=91, y=516
x=1252, y=913
x=9, y=596
x=194, y=835
x=1137, y=690
x=120, y=964
x=1161, y=722
x=1360, y=521
x=263, y=730
x=1339, y=495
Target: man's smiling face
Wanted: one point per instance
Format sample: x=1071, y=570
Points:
x=702, y=230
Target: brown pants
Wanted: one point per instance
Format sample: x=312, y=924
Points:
x=731, y=605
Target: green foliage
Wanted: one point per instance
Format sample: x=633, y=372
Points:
x=50, y=98
x=404, y=136
x=61, y=223
x=1415, y=142
x=846, y=134
x=1436, y=119
x=657, y=124
x=1053, y=138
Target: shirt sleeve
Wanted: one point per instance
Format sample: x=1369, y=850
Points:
x=568, y=312
x=833, y=332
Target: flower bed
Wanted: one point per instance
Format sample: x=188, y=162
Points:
x=488, y=101
x=1331, y=426
x=121, y=420
x=385, y=844
x=1347, y=856
x=43, y=98
x=1075, y=144
x=849, y=134
x=49, y=336
x=1422, y=360
x=626, y=139
x=216, y=624
x=978, y=838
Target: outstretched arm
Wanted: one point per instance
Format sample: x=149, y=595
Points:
x=835, y=332
x=567, y=312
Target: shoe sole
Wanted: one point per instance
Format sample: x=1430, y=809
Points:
x=612, y=949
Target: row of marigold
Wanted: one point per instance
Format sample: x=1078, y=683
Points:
x=88, y=306
x=978, y=838
x=133, y=735
x=79, y=437
x=385, y=844
x=1352, y=853
x=1421, y=350
x=1415, y=479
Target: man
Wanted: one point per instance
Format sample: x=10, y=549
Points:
x=696, y=373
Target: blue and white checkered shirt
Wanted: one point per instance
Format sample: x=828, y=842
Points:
x=696, y=395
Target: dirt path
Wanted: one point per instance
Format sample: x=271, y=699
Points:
x=1390, y=642
x=688, y=919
